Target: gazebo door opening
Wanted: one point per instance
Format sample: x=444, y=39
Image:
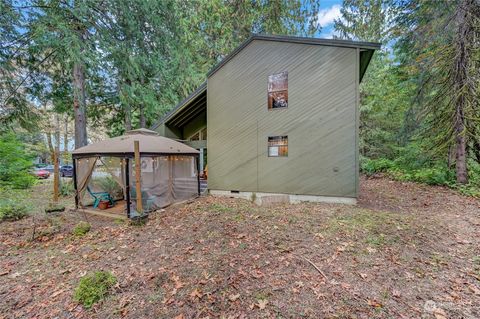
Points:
x=164, y=180
x=104, y=183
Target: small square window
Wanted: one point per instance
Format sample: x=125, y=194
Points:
x=278, y=146
x=278, y=90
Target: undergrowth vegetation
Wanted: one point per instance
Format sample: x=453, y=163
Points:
x=416, y=170
x=94, y=287
x=15, y=163
x=66, y=188
x=13, y=205
x=81, y=229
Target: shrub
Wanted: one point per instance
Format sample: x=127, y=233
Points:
x=11, y=210
x=431, y=176
x=15, y=163
x=67, y=189
x=406, y=168
x=372, y=166
x=94, y=287
x=23, y=181
x=473, y=186
x=13, y=204
x=81, y=229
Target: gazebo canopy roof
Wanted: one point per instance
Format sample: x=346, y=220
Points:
x=150, y=143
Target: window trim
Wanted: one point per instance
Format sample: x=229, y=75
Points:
x=278, y=146
x=191, y=136
x=201, y=135
x=276, y=91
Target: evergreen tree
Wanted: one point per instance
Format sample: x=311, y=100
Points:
x=14, y=105
x=443, y=49
x=219, y=26
x=56, y=34
x=382, y=107
x=366, y=20
x=141, y=54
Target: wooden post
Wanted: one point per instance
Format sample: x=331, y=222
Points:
x=56, y=176
x=138, y=176
x=198, y=171
x=74, y=161
x=127, y=184
x=170, y=177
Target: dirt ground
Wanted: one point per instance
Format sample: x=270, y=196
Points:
x=405, y=251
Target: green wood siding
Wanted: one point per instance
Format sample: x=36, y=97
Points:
x=184, y=132
x=167, y=131
x=195, y=125
x=320, y=121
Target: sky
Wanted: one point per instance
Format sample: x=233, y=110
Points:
x=329, y=11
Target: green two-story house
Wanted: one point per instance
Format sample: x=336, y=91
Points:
x=282, y=115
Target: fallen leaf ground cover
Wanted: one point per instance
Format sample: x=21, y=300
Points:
x=405, y=251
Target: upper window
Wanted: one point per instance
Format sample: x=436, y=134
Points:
x=199, y=135
x=195, y=137
x=277, y=146
x=278, y=90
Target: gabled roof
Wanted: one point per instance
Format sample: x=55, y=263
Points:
x=366, y=52
x=368, y=46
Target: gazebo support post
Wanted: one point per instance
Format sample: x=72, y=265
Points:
x=198, y=174
x=74, y=161
x=138, y=176
x=127, y=184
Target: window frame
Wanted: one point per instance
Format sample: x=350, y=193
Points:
x=280, y=138
x=190, y=139
x=273, y=91
x=202, y=135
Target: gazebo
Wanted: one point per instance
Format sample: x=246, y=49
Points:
x=135, y=173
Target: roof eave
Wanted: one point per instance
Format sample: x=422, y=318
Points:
x=202, y=88
x=291, y=39
x=364, y=62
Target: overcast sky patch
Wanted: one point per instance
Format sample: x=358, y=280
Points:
x=327, y=16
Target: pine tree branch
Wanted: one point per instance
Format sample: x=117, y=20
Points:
x=26, y=78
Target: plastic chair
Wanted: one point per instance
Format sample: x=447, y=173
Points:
x=148, y=202
x=99, y=196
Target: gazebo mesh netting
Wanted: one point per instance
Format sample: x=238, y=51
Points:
x=165, y=178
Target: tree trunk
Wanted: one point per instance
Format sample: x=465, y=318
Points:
x=57, y=132
x=142, y=117
x=128, y=109
x=65, y=140
x=56, y=168
x=50, y=145
x=65, y=135
x=128, y=117
x=79, y=104
x=460, y=78
x=48, y=133
x=460, y=159
x=142, y=108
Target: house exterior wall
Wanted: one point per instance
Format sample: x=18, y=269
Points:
x=321, y=121
x=183, y=133
x=195, y=125
x=170, y=132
